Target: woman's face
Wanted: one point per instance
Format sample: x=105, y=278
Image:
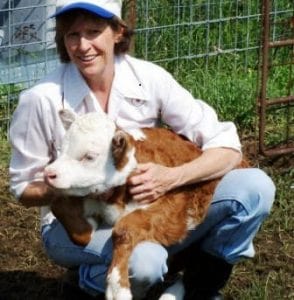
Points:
x=90, y=46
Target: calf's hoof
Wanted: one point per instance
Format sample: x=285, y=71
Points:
x=114, y=290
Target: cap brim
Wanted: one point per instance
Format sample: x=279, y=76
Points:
x=94, y=9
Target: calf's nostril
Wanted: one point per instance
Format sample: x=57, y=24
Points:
x=50, y=175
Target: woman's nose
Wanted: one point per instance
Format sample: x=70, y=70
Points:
x=84, y=43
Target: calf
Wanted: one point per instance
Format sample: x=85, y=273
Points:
x=95, y=162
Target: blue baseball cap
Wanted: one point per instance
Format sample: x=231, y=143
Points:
x=106, y=9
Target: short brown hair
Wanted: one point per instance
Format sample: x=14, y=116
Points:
x=65, y=21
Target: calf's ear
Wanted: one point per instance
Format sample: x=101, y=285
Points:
x=119, y=147
x=67, y=117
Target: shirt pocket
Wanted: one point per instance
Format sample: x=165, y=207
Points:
x=135, y=109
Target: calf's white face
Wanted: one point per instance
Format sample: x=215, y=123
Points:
x=85, y=164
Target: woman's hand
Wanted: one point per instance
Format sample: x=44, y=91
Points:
x=151, y=181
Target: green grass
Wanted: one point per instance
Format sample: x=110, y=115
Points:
x=8, y=101
x=4, y=152
x=231, y=92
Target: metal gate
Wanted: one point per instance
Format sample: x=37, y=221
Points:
x=276, y=112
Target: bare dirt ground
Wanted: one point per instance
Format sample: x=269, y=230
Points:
x=26, y=273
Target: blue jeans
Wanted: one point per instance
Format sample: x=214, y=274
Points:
x=241, y=202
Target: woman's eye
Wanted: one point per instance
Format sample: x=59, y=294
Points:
x=72, y=37
x=94, y=32
x=72, y=34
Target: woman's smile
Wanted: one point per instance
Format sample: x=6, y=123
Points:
x=87, y=58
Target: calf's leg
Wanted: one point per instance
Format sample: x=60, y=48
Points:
x=138, y=226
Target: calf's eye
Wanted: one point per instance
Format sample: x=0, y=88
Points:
x=89, y=157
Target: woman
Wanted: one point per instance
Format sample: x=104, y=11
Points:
x=97, y=75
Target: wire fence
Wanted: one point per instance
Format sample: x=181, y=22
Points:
x=26, y=40
x=184, y=36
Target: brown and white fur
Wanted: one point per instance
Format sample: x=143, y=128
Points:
x=91, y=172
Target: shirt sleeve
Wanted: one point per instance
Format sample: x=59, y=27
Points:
x=29, y=137
x=195, y=119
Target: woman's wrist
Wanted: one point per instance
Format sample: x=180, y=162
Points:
x=178, y=177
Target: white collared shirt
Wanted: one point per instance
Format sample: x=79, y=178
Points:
x=142, y=93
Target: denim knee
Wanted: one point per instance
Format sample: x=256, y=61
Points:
x=241, y=202
x=60, y=249
x=148, y=263
x=251, y=187
x=266, y=190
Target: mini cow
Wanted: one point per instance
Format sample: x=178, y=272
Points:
x=95, y=162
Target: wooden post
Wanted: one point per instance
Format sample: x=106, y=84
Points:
x=130, y=16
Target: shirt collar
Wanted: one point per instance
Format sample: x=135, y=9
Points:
x=75, y=87
x=126, y=82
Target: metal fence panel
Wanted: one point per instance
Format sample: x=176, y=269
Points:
x=217, y=41
x=276, y=107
